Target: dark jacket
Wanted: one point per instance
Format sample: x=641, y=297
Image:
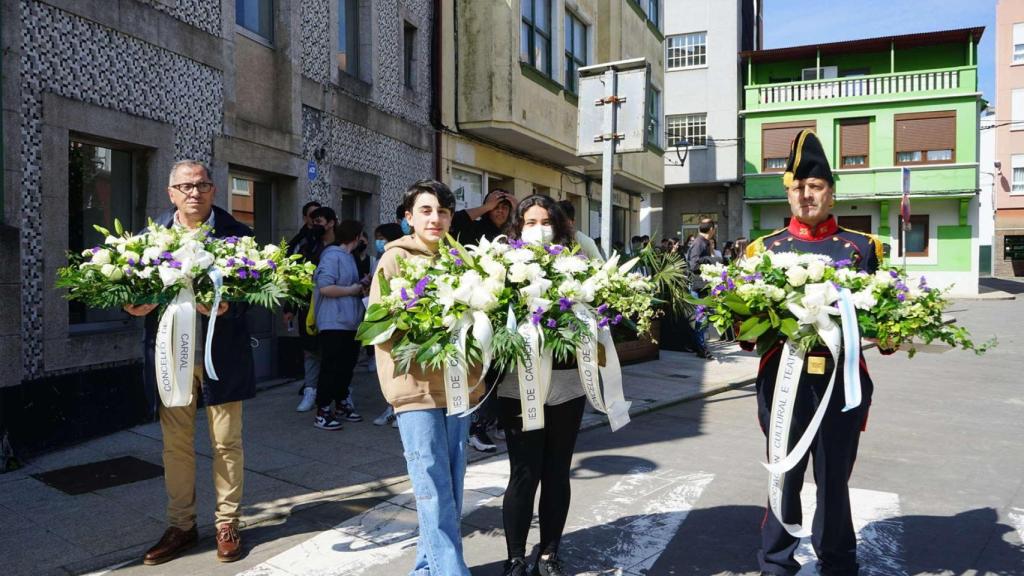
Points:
x=697, y=255
x=232, y=351
x=469, y=232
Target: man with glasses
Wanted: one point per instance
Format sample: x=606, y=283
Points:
x=191, y=192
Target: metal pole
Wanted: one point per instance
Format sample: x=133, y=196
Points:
x=903, y=244
x=610, y=110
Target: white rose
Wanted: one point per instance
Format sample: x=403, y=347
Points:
x=396, y=284
x=522, y=255
x=133, y=256
x=150, y=254
x=101, y=257
x=746, y=291
x=170, y=276
x=111, y=272
x=784, y=259
x=775, y=293
x=145, y=273
x=815, y=270
x=518, y=272
x=883, y=278
x=270, y=250
x=796, y=276
x=493, y=268
x=864, y=300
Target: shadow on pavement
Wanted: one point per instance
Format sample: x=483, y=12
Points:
x=1001, y=284
x=953, y=544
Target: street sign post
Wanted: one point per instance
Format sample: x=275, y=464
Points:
x=612, y=118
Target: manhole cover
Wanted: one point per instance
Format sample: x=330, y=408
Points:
x=94, y=476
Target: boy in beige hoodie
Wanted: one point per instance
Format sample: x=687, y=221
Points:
x=434, y=442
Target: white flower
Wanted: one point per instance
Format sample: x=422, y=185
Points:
x=111, y=272
x=796, y=276
x=750, y=264
x=145, y=273
x=569, y=288
x=746, y=291
x=807, y=258
x=570, y=265
x=815, y=270
x=493, y=268
x=270, y=250
x=815, y=307
x=521, y=272
x=170, y=276
x=448, y=321
x=712, y=272
x=151, y=253
x=845, y=275
x=101, y=257
x=536, y=288
x=883, y=278
x=784, y=260
x=521, y=255
x=133, y=256
x=775, y=293
x=864, y=299
x=397, y=283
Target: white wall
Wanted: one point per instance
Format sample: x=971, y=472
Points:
x=713, y=89
x=986, y=179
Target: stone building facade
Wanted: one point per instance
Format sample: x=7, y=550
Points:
x=99, y=100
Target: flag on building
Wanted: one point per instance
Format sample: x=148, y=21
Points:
x=905, y=201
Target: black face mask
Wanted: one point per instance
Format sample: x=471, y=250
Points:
x=318, y=231
x=361, y=246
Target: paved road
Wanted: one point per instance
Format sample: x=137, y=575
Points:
x=937, y=488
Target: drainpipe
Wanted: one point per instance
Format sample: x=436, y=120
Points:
x=437, y=71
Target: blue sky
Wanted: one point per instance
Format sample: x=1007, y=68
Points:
x=798, y=22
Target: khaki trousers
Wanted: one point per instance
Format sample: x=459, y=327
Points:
x=178, y=426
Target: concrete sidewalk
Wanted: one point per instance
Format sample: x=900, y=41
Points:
x=289, y=466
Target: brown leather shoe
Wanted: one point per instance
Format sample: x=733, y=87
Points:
x=171, y=545
x=229, y=543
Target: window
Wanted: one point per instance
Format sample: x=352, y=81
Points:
x=100, y=188
x=1017, y=162
x=654, y=117
x=853, y=143
x=651, y=8
x=575, y=49
x=535, y=35
x=776, y=139
x=925, y=138
x=916, y=236
x=409, y=38
x=858, y=223
x=468, y=189
x=1018, y=43
x=689, y=127
x=823, y=73
x=348, y=36
x=687, y=50
x=1017, y=110
x=256, y=16
x=242, y=195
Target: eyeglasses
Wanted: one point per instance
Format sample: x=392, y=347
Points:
x=187, y=187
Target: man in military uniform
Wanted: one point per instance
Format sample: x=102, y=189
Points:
x=813, y=229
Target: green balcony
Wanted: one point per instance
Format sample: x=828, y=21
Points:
x=862, y=89
x=948, y=181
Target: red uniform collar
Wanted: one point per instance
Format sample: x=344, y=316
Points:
x=819, y=232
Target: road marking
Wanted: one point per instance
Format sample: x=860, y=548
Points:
x=379, y=535
x=879, y=532
x=1017, y=517
x=632, y=524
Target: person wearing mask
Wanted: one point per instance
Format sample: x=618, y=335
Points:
x=401, y=221
x=382, y=236
x=338, y=308
x=701, y=252
x=301, y=244
x=322, y=218
x=587, y=245
x=434, y=442
x=539, y=458
x=635, y=243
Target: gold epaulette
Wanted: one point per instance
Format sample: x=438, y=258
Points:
x=757, y=246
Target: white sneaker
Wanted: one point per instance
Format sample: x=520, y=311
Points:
x=385, y=417
x=308, y=400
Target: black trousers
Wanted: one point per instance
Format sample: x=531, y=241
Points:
x=339, y=352
x=834, y=450
x=539, y=457
x=488, y=413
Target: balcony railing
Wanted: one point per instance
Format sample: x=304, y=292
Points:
x=949, y=80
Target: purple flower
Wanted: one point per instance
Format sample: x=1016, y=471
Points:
x=174, y=264
x=699, y=312
x=894, y=274
x=131, y=261
x=242, y=273
x=601, y=309
x=231, y=262
x=231, y=239
x=255, y=275
x=535, y=317
x=602, y=323
x=922, y=283
x=411, y=303
x=564, y=304
x=95, y=249
x=555, y=249
x=166, y=255
x=725, y=274
x=718, y=290
x=421, y=286
x=901, y=296
x=516, y=243
x=405, y=295
x=842, y=263
x=749, y=277
x=617, y=319
x=729, y=284
x=459, y=262
x=901, y=286
x=551, y=323
x=248, y=262
x=271, y=265
x=453, y=252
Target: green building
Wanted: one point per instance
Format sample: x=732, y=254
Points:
x=877, y=105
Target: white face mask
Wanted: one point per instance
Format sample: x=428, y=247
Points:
x=538, y=234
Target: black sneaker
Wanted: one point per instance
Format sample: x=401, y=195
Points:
x=481, y=442
x=550, y=566
x=325, y=420
x=514, y=567
x=348, y=412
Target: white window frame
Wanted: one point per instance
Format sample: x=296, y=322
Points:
x=823, y=73
x=682, y=126
x=1017, y=163
x=686, y=55
x=1018, y=44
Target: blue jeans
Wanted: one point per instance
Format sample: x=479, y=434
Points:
x=435, y=454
